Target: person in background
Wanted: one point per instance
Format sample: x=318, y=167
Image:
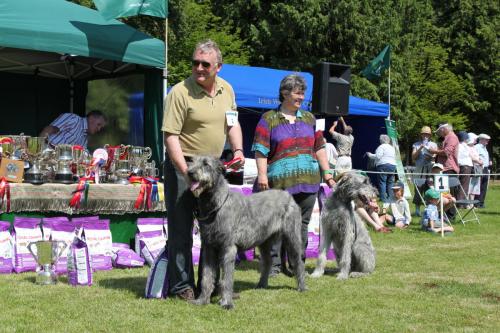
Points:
x=400, y=215
x=477, y=165
x=385, y=161
x=423, y=160
x=485, y=158
x=198, y=116
x=448, y=153
x=344, y=145
x=72, y=129
x=431, y=220
x=465, y=164
x=331, y=154
x=370, y=214
x=291, y=156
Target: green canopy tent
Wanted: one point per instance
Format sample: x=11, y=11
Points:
x=50, y=49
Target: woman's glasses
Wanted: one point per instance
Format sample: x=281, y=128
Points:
x=205, y=64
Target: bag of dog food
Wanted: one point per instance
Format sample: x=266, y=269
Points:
x=5, y=248
x=79, y=221
x=157, y=283
x=26, y=230
x=62, y=230
x=124, y=257
x=314, y=229
x=196, y=249
x=150, y=245
x=79, y=264
x=148, y=224
x=98, y=238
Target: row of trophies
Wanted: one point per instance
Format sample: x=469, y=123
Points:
x=66, y=164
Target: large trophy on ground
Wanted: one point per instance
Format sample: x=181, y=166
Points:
x=46, y=255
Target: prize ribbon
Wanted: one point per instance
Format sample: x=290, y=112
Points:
x=5, y=192
x=81, y=194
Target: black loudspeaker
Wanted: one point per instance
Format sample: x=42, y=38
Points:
x=331, y=89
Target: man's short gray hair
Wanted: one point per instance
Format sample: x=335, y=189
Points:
x=384, y=138
x=290, y=83
x=208, y=46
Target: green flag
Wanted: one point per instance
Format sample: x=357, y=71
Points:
x=110, y=9
x=378, y=65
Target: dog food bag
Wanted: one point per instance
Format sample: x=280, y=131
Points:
x=147, y=224
x=62, y=230
x=79, y=264
x=150, y=244
x=124, y=257
x=98, y=239
x=196, y=250
x=79, y=221
x=5, y=248
x=26, y=230
x=157, y=283
x=47, y=225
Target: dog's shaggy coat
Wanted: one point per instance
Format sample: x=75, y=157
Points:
x=229, y=220
x=342, y=226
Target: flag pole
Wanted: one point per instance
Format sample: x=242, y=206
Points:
x=389, y=88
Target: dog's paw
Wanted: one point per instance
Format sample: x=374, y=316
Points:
x=316, y=274
x=261, y=285
x=199, y=301
x=302, y=289
x=226, y=304
x=342, y=276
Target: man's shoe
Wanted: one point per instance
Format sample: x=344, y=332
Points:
x=186, y=295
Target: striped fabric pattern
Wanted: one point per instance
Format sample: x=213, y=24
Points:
x=72, y=130
x=290, y=150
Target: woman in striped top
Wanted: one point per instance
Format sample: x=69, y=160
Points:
x=290, y=154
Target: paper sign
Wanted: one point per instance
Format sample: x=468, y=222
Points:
x=441, y=183
x=231, y=117
x=320, y=125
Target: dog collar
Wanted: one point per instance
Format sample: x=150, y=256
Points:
x=210, y=216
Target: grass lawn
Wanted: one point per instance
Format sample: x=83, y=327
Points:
x=422, y=283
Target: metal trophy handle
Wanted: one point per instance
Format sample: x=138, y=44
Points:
x=147, y=153
x=61, y=249
x=31, y=250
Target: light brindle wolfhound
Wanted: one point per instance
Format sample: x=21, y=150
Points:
x=230, y=220
x=345, y=229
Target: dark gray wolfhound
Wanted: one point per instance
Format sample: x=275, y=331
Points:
x=230, y=220
x=342, y=226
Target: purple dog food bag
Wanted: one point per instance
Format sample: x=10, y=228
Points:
x=98, y=239
x=5, y=248
x=148, y=224
x=26, y=230
x=150, y=244
x=79, y=264
x=79, y=221
x=124, y=257
x=157, y=283
x=196, y=249
x=62, y=230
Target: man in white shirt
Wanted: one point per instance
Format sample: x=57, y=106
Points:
x=485, y=158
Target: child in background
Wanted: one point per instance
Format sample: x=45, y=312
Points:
x=431, y=220
x=400, y=214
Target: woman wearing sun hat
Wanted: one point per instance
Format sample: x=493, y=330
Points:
x=423, y=159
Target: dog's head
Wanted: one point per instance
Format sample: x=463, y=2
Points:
x=352, y=186
x=204, y=173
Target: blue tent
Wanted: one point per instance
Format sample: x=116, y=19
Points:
x=257, y=87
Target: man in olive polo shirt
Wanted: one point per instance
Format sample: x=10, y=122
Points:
x=197, y=119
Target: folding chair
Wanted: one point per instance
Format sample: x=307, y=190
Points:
x=470, y=204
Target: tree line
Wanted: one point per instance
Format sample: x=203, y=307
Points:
x=444, y=59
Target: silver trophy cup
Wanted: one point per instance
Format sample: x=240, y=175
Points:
x=46, y=255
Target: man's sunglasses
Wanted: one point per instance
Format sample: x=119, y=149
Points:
x=205, y=64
